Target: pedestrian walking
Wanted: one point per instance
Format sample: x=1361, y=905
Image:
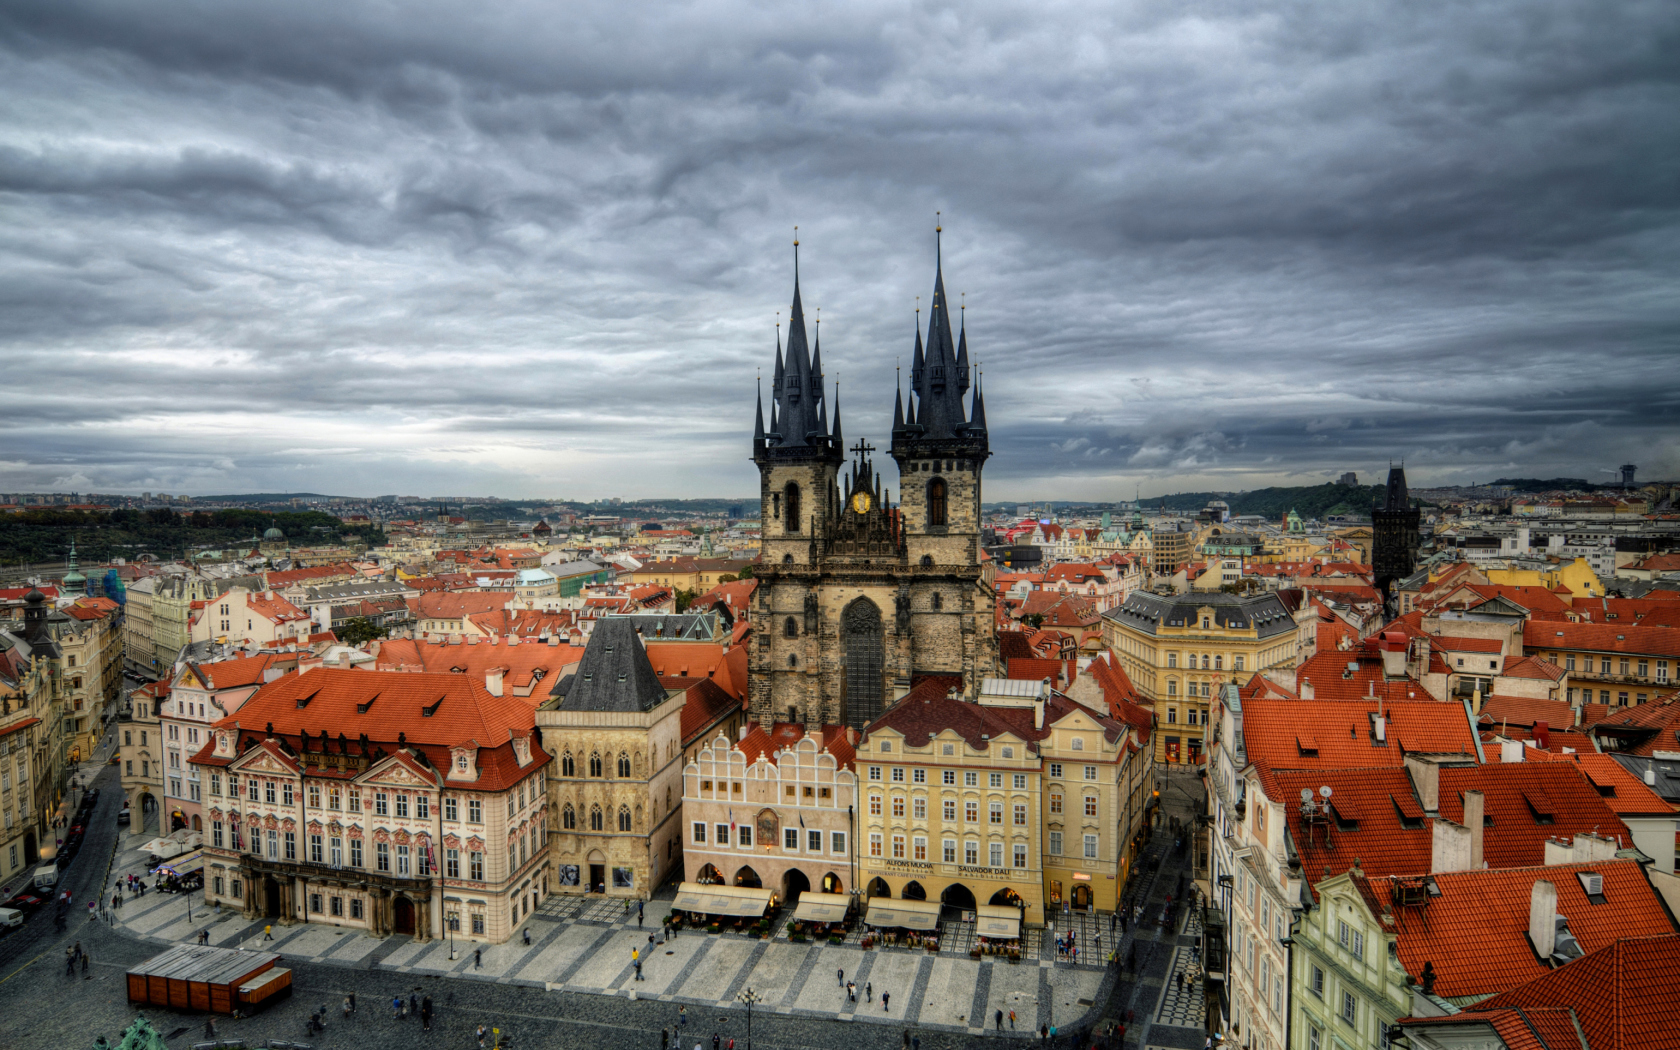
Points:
x=1000, y=1020
x=639, y=910
x=639, y=976
x=85, y=975
x=868, y=992
x=664, y=1039
x=268, y=932
x=347, y=1008
x=413, y=1003
x=209, y=1028
x=426, y=1013
x=851, y=991
x=715, y=1041
x=527, y=932
x=480, y=1037
x=1180, y=976
x=1043, y=1034
x=682, y=1015
x=397, y=1009
x=915, y=1042
x=478, y=958
x=886, y=997
x=1012, y=1019
x=840, y=977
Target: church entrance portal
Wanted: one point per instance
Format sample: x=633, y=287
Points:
x=271, y=898
x=861, y=636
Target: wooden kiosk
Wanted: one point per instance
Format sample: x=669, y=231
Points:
x=200, y=977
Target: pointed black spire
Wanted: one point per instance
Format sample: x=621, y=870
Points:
x=758, y=420
x=977, y=415
x=839, y=442
x=939, y=400
x=898, y=402
x=962, y=351
x=817, y=378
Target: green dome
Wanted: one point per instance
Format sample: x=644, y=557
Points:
x=274, y=534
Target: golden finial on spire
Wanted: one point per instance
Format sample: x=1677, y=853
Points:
x=938, y=225
x=918, y=306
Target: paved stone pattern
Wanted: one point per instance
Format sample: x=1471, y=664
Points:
x=1182, y=1005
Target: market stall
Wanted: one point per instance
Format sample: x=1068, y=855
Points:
x=201, y=977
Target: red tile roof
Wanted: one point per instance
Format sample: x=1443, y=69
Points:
x=1602, y=637
x=456, y=605
x=705, y=704
x=836, y=740
x=1623, y=792
x=1465, y=645
x=1342, y=731
x=1534, y=668
x=238, y=673
x=1331, y=680
x=386, y=704
x=529, y=665
x=1622, y=994
x=926, y=711
x=1525, y=711
x=1476, y=932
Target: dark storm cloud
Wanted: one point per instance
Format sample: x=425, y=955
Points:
x=539, y=248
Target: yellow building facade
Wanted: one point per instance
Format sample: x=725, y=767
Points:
x=1179, y=650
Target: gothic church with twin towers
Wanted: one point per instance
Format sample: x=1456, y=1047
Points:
x=860, y=598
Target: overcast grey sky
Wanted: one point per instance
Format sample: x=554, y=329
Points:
x=539, y=249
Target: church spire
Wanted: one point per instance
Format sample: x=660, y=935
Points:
x=758, y=420
x=898, y=401
x=962, y=348
x=977, y=415
x=839, y=442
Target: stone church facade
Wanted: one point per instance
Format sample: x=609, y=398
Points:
x=859, y=597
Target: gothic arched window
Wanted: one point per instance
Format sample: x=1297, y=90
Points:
x=568, y=765
x=568, y=818
x=623, y=764
x=595, y=818
x=790, y=496
x=624, y=818
x=793, y=659
x=936, y=502
x=791, y=628
x=787, y=559
x=594, y=765
x=927, y=561
x=938, y=601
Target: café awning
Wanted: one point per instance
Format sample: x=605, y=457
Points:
x=903, y=914
x=183, y=865
x=822, y=907
x=744, y=901
x=997, y=922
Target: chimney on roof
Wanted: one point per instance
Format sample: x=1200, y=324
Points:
x=1449, y=847
x=1426, y=781
x=1542, y=918
x=1650, y=771
x=1510, y=751
x=1542, y=735
x=493, y=680
x=1307, y=692
x=1473, y=805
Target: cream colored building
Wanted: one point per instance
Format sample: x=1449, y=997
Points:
x=382, y=801
x=1178, y=651
x=775, y=810
x=953, y=804
x=91, y=639
x=618, y=736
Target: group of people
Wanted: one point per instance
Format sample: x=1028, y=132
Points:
x=75, y=955
x=416, y=1004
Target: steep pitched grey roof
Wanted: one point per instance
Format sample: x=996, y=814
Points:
x=614, y=674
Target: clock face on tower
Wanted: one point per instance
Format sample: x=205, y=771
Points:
x=861, y=502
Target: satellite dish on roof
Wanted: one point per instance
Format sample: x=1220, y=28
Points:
x=1306, y=794
x=1325, y=791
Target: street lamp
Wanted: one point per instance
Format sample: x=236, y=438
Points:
x=750, y=997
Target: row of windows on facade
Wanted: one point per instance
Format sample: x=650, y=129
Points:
x=399, y=859
x=1189, y=688
x=786, y=505
x=971, y=778
x=971, y=808
x=596, y=767
x=743, y=838
x=1625, y=666
x=726, y=787
x=335, y=905
x=918, y=850
x=1218, y=662
x=384, y=803
x=597, y=818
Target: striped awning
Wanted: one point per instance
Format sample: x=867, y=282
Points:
x=997, y=922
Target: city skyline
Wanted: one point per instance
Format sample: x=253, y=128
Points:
x=1220, y=251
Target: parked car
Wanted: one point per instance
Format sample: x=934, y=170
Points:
x=10, y=919
x=26, y=901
